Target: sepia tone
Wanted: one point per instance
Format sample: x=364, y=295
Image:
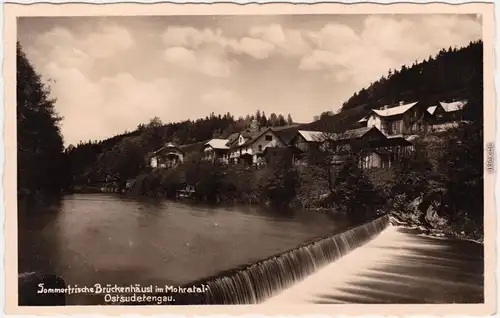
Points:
x=292, y=160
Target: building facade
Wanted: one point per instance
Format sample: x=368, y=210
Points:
x=374, y=148
x=249, y=147
x=445, y=115
x=405, y=119
x=168, y=156
x=216, y=150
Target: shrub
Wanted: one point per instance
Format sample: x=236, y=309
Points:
x=355, y=195
x=279, y=187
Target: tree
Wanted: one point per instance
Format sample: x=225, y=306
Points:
x=258, y=116
x=273, y=120
x=444, y=77
x=280, y=185
x=289, y=119
x=462, y=166
x=263, y=120
x=127, y=159
x=281, y=121
x=355, y=194
x=155, y=122
x=336, y=161
x=41, y=166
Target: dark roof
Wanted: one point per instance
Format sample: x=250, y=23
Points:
x=249, y=133
x=198, y=146
x=355, y=133
x=251, y=136
x=169, y=145
x=286, y=133
x=233, y=137
x=339, y=122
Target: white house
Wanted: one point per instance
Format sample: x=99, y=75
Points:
x=445, y=115
x=216, y=150
x=250, y=146
x=405, y=119
x=167, y=156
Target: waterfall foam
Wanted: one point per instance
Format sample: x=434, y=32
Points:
x=257, y=282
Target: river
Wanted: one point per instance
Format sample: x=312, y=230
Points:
x=104, y=238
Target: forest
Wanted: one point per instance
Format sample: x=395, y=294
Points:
x=453, y=73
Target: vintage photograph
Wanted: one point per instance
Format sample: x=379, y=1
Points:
x=279, y=159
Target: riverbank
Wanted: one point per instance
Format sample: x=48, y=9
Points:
x=419, y=191
x=445, y=232
x=433, y=225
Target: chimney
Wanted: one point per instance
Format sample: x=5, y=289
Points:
x=385, y=107
x=401, y=103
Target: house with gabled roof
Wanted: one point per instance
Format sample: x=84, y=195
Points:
x=404, y=119
x=445, y=114
x=378, y=150
x=168, y=156
x=216, y=150
x=250, y=145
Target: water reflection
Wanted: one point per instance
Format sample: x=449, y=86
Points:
x=105, y=238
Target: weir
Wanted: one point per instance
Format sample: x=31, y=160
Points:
x=257, y=282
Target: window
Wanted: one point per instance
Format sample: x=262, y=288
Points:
x=260, y=147
x=396, y=127
x=269, y=138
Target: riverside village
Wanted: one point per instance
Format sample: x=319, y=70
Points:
x=311, y=160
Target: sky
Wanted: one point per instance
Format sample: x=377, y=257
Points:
x=109, y=74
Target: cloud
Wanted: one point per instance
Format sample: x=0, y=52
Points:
x=255, y=48
x=384, y=43
x=107, y=106
x=192, y=38
x=210, y=65
x=107, y=40
x=110, y=40
x=180, y=56
x=289, y=42
x=110, y=77
x=318, y=60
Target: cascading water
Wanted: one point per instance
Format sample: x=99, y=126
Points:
x=257, y=282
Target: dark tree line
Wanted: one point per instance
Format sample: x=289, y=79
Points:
x=451, y=74
x=41, y=169
x=124, y=156
x=442, y=77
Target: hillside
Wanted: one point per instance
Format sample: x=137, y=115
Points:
x=95, y=160
x=451, y=74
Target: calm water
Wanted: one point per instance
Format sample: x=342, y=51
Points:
x=100, y=238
